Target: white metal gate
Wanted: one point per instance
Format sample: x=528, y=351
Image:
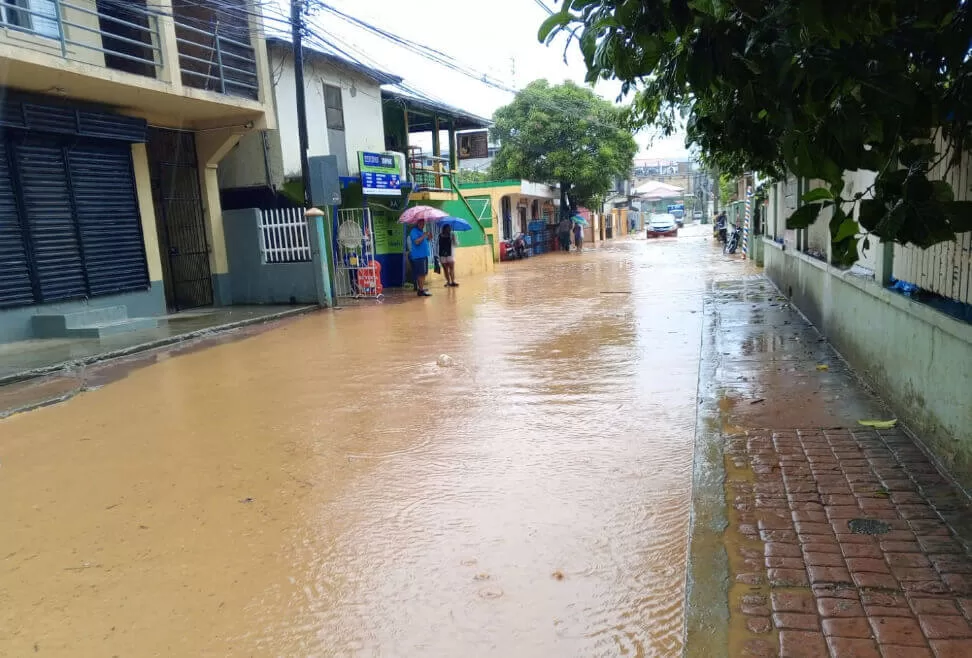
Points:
x=356, y=272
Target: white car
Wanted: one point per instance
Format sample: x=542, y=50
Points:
x=662, y=225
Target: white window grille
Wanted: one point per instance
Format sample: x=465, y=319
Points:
x=283, y=236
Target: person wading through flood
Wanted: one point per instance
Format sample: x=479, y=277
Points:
x=447, y=245
x=419, y=253
x=578, y=236
x=563, y=234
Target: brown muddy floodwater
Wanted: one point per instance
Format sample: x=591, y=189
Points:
x=328, y=488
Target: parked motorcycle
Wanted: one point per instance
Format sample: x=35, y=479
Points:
x=732, y=241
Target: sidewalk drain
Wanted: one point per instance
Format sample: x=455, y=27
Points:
x=868, y=527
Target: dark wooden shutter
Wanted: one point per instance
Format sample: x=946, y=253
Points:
x=106, y=206
x=15, y=286
x=56, y=250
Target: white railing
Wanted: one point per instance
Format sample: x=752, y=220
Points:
x=283, y=236
x=945, y=268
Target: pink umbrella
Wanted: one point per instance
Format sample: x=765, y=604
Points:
x=417, y=213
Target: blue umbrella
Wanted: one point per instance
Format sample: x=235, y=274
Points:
x=457, y=223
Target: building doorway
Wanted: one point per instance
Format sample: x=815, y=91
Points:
x=179, y=219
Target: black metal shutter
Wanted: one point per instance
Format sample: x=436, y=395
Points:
x=55, y=247
x=15, y=286
x=106, y=207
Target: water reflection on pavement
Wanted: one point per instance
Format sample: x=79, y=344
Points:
x=331, y=487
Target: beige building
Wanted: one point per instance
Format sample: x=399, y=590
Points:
x=115, y=116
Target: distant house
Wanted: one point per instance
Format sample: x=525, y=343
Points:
x=344, y=116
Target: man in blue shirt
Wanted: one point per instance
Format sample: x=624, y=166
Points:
x=419, y=253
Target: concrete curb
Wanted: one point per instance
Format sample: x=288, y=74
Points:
x=706, y=626
x=35, y=373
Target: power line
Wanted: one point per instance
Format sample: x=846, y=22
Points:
x=544, y=6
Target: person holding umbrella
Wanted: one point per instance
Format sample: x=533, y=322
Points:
x=447, y=245
x=419, y=253
x=579, y=236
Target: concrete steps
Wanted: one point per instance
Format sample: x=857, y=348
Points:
x=90, y=323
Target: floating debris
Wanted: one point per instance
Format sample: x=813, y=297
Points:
x=879, y=424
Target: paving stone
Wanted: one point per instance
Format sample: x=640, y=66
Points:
x=806, y=528
x=891, y=651
x=835, y=512
x=951, y=563
x=793, y=602
x=951, y=648
x=831, y=607
x=958, y=582
x=755, y=610
x=941, y=627
x=923, y=606
x=759, y=625
x=900, y=631
x=847, y=627
x=939, y=545
x=785, y=563
x=788, y=577
x=862, y=550
x=802, y=644
x=901, y=547
x=869, y=565
x=821, y=544
x=931, y=587
x=796, y=621
x=845, y=647
x=909, y=560
x=823, y=559
x=875, y=580
x=782, y=549
x=829, y=575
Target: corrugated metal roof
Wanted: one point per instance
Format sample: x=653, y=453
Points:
x=418, y=102
x=336, y=59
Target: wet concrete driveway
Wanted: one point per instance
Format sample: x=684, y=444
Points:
x=334, y=487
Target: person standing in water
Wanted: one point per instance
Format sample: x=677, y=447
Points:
x=563, y=234
x=419, y=253
x=579, y=236
x=447, y=246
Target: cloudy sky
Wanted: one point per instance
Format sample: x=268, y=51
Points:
x=497, y=38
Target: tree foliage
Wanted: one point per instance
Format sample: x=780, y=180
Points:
x=815, y=87
x=563, y=134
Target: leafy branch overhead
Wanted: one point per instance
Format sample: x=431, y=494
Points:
x=563, y=134
x=813, y=87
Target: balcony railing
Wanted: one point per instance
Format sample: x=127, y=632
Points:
x=216, y=62
x=126, y=35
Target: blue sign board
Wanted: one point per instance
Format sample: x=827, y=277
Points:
x=380, y=175
x=381, y=184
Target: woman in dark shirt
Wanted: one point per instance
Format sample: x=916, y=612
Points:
x=447, y=245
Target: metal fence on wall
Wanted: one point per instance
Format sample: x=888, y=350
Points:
x=946, y=268
x=283, y=236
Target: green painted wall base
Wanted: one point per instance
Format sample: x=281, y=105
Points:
x=918, y=359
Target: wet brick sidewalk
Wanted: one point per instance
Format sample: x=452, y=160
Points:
x=813, y=543
x=820, y=588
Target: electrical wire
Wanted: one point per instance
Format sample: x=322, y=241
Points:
x=273, y=17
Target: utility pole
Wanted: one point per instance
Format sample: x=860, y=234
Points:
x=297, y=25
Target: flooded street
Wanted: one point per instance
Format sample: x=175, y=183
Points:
x=335, y=487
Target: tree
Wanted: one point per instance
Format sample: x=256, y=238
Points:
x=464, y=176
x=813, y=87
x=563, y=134
x=728, y=189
